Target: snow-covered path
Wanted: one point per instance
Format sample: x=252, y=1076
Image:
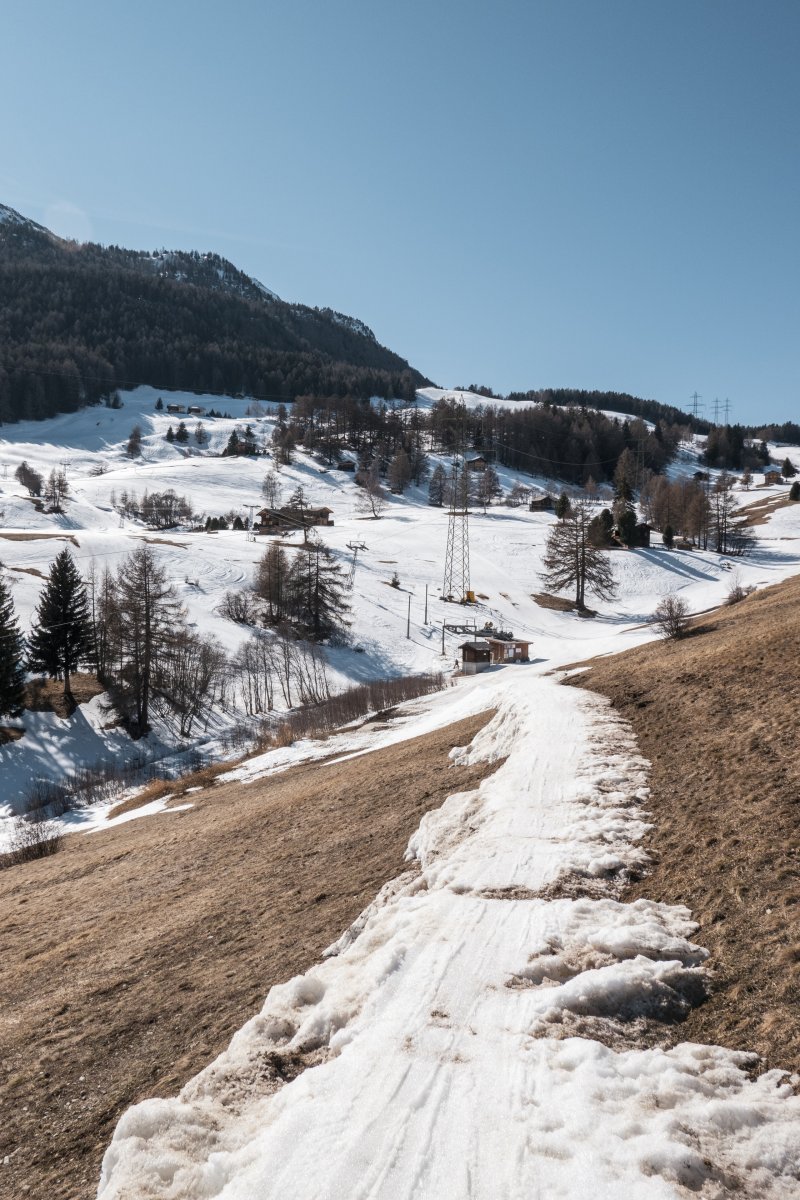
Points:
x=471, y=1035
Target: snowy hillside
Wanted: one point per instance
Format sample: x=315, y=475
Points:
x=476, y=1032
x=506, y=555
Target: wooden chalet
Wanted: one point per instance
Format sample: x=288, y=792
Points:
x=772, y=475
x=176, y=408
x=196, y=410
x=283, y=520
x=541, y=504
x=477, y=464
x=507, y=650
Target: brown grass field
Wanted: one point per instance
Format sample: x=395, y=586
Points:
x=717, y=715
x=130, y=958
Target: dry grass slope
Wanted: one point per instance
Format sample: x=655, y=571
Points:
x=717, y=715
x=130, y=959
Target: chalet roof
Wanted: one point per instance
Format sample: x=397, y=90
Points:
x=508, y=641
x=477, y=645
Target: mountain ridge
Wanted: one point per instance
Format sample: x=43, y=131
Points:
x=79, y=320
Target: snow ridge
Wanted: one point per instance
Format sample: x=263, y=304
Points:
x=471, y=1034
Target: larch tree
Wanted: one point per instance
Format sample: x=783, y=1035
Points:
x=149, y=617
x=12, y=672
x=61, y=639
x=272, y=582
x=571, y=561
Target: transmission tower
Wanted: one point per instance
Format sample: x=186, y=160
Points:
x=697, y=407
x=355, y=547
x=456, y=562
x=716, y=410
x=727, y=407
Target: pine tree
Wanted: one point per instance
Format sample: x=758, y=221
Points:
x=788, y=470
x=159, y=405
x=62, y=635
x=170, y=434
x=562, y=506
x=12, y=674
x=182, y=434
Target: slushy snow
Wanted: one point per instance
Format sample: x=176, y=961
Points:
x=475, y=1033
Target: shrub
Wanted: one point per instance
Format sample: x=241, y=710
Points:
x=45, y=798
x=30, y=839
x=668, y=536
x=794, y=490
x=671, y=617
x=737, y=591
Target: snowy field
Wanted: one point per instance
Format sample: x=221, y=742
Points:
x=506, y=553
x=475, y=1032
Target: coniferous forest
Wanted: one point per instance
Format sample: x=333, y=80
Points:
x=79, y=321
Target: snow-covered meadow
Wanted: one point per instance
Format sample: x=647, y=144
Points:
x=475, y=1032
x=506, y=552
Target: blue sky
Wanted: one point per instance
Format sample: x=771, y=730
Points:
x=585, y=193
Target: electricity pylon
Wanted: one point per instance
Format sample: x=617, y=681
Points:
x=456, y=561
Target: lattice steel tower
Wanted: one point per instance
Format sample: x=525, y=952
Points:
x=456, y=561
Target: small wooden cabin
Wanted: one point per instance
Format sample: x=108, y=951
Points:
x=477, y=464
x=176, y=408
x=507, y=650
x=541, y=504
x=196, y=410
x=772, y=475
x=476, y=656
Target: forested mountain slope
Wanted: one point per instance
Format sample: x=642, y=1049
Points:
x=79, y=321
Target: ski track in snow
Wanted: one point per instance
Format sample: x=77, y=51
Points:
x=439, y=1034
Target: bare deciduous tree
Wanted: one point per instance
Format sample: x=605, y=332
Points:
x=671, y=616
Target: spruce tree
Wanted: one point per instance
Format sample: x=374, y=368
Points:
x=436, y=486
x=12, y=675
x=62, y=634
x=316, y=589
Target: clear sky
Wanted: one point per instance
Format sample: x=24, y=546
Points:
x=584, y=193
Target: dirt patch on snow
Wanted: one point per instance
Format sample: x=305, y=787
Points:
x=40, y=537
x=717, y=717
x=131, y=958
x=47, y=695
x=760, y=512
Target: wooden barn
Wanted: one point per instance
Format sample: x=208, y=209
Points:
x=281, y=520
x=176, y=408
x=772, y=475
x=541, y=504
